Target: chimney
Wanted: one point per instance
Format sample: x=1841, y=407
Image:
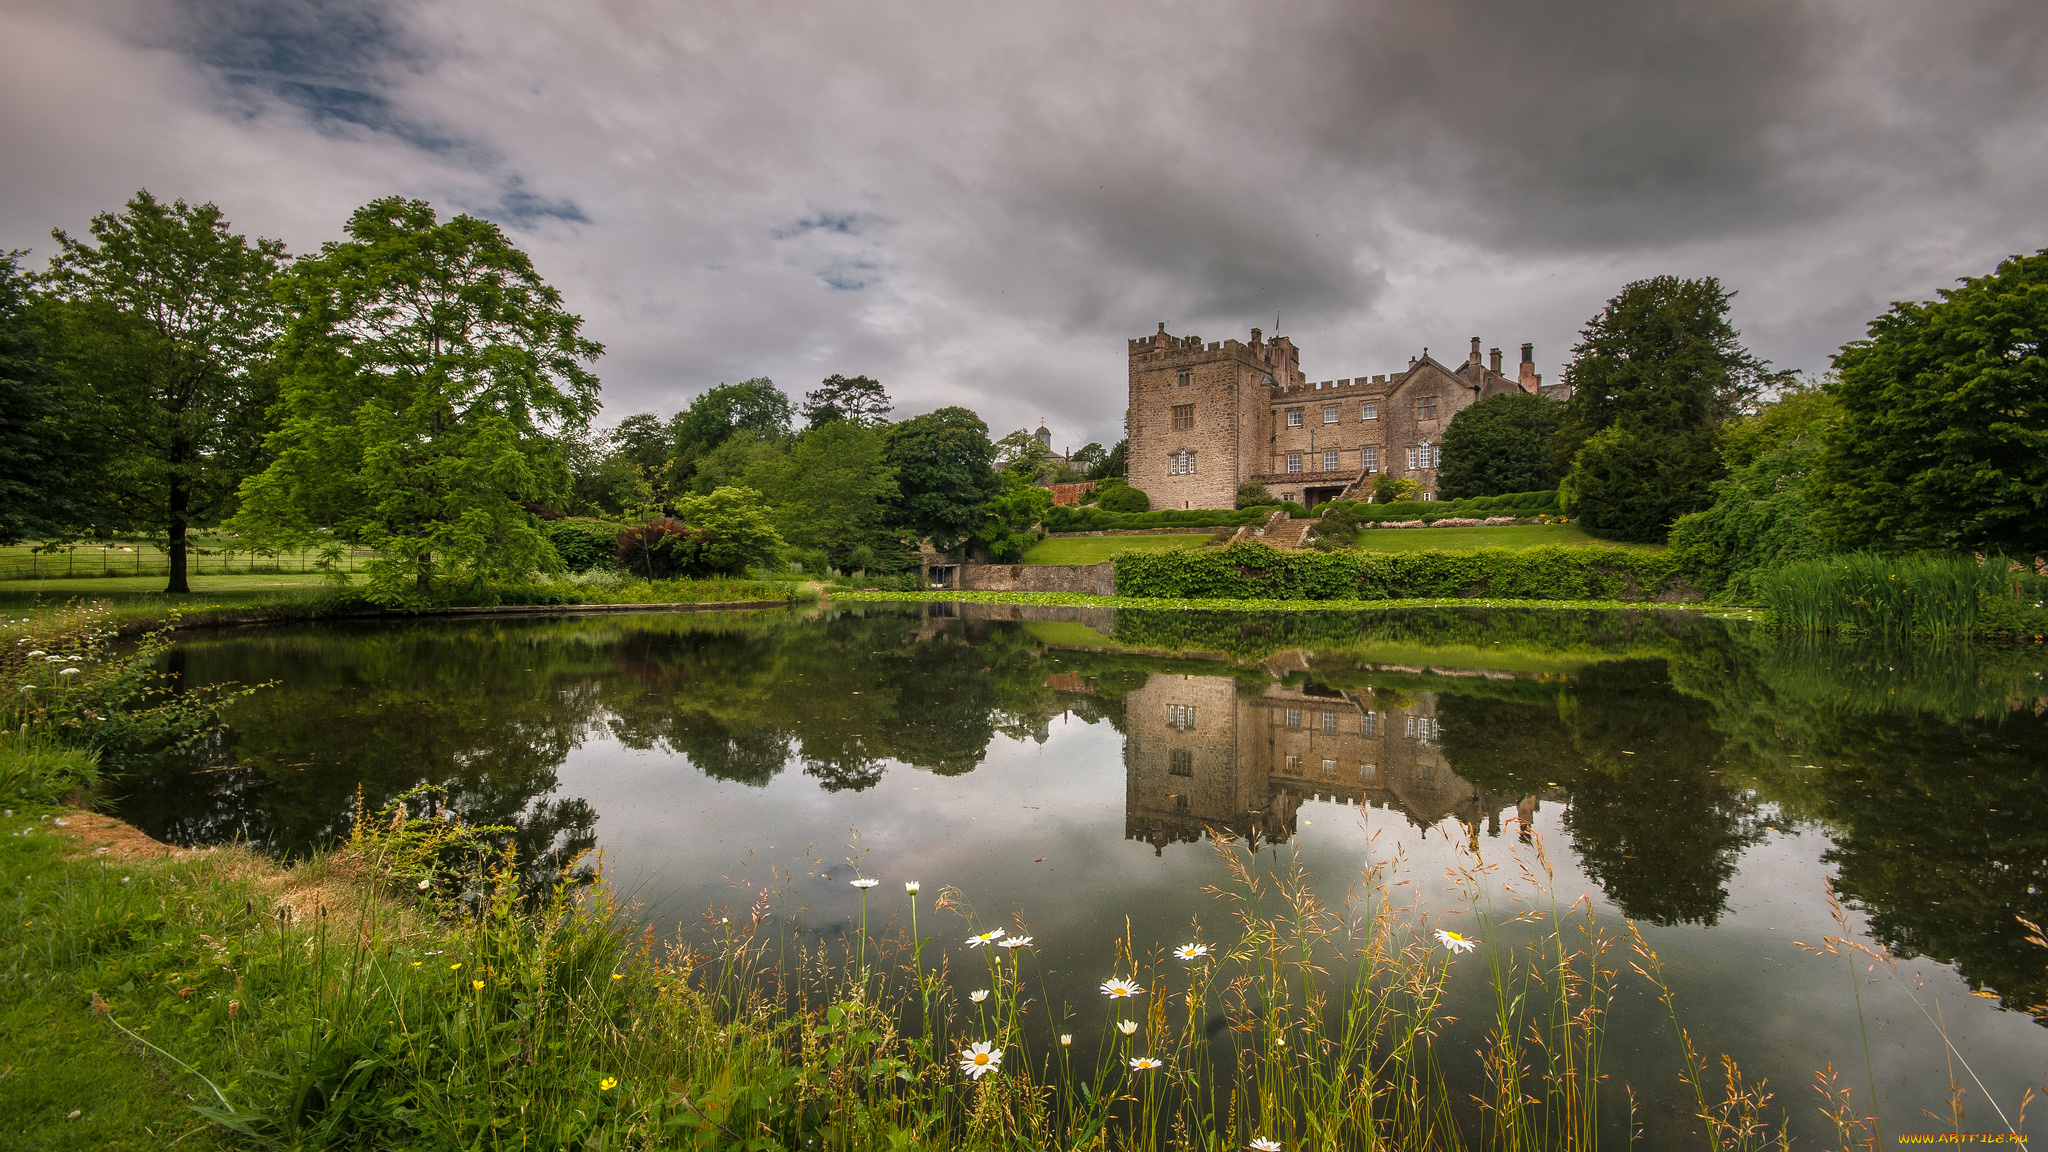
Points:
x=1255, y=335
x=1493, y=355
x=1529, y=379
x=1474, y=358
x=1411, y=363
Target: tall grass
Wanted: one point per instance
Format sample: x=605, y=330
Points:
x=405, y=993
x=1932, y=595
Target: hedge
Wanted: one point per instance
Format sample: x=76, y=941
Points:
x=584, y=543
x=1477, y=507
x=1255, y=570
x=1081, y=518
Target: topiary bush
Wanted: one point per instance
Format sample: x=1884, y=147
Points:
x=584, y=543
x=1124, y=499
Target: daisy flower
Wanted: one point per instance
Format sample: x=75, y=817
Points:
x=1144, y=1063
x=1120, y=988
x=1127, y=1026
x=1014, y=942
x=1455, y=942
x=1191, y=951
x=978, y=995
x=1261, y=1144
x=988, y=937
x=979, y=1059
x=910, y=886
x=864, y=883
x=1066, y=1039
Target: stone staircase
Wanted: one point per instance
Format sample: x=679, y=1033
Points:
x=1278, y=530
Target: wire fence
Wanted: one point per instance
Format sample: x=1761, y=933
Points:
x=100, y=559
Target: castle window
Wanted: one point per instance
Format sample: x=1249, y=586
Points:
x=1181, y=463
x=1294, y=417
x=1181, y=716
x=1329, y=721
x=1180, y=762
x=1180, y=801
x=1368, y=411
x=1429, y=495
x=1329, y=413
x=1294, y=765
x=1294, y=717
x=1186, y=378
x=1329, y=460
x=1425, y=457
x=1368, y=772
x=1294, y=461
x=1370, y=726
x=1183, y=417
x=1369, y=459
x=1425, y=408
x=1329, y=767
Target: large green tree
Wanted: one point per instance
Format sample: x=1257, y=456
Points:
x=1943, y=441
x=1764, y=515
x=171, y=318
x=854, y=398
x=1500, y=445
x=1653, y=376
x=832, y=491
x=945, y=473
x=48, y=465
x=429, y=371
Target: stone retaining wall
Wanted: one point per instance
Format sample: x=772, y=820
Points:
x=1089, y=579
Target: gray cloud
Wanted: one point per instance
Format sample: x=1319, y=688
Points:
x=977, y=205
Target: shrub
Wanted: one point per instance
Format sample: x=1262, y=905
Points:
x=1252, y=494
x=656, y=550
x=1387, y=489
x=1630, y=483
x=1258, y=571
x=1125, y=499
x=1078, y=519
x=584, y=543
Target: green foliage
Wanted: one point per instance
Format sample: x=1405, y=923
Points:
x=945, y=473
x=1253, y=570
x=1022, y=454
x=170, y=318
x=1632, y=482
x=1124, y=498
x=47, y=451
x=1477, y=507
x=736, y=459
x=1764, y=513
x=1943, y=441
x=1115, y=462
x=1081, y=518
x=1935, y=595
x=1252, y=494
x=584, y=543
x=428, y=368
x=1387, y=489
x=1008, y=521
x=1500, y=444
x=832, y=491
x=38, y=768
x=852, y=398
x=1653, y=375
x=730, y=532
x=754, y=406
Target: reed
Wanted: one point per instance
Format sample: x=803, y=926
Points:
x=1931, y=595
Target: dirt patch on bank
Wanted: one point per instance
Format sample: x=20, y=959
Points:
x=96, y=834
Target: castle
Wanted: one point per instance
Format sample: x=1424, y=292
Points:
x=1204, y=419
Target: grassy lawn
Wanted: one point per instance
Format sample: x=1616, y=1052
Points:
x=136, y=597
x=1473, y=539
x=1096, y=549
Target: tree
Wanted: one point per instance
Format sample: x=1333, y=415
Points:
x=47, y=458
x=428, y=370
x=853, y=398
x=755, y=405
x=1386, y=489
x=644, y=440
x=1652, y=376
x=731, y=531
x=832, y=489
x=1112, y=463
x=732, y=461
x=1252, y=494
x=1500, y=445
x=1088, y=457
x=1765, y=514
x=173, y=316
x=1020, y=452
x=1943, y=441
x=1006, y=530
x=945, y=473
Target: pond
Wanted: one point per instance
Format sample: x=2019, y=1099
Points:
x=1062, y=767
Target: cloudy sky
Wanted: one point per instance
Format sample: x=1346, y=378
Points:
x=977, y=203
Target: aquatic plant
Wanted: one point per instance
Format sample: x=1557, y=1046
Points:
x=1934, y=595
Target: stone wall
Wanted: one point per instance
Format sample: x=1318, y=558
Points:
x=1089, y=579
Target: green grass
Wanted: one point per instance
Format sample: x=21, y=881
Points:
x=206, y=553
x=1081, y=600
x=138, y=598
x=1096, y=549
x=1473, y=539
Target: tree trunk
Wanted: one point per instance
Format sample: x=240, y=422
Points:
x=174, y=527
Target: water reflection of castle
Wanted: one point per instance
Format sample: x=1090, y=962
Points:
x=1203, y=752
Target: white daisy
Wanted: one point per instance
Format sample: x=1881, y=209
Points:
x=1127, y=1026
x=68, y=672
x=1066, y=1039
x=979, y=1059
x=910, y=886
x=1191, y=951
x=988, y=937
x=1014, y=942
x=978, y=995
x=1120, y=988
x=1144, y=1063
x=1455, y=942
x=1261, y=1144
x=864, y=883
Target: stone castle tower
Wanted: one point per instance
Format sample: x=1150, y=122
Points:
x=1204, y=419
